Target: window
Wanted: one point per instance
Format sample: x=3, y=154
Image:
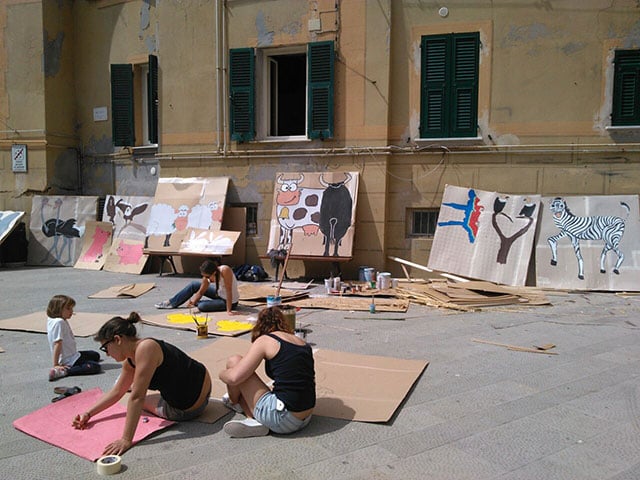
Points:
x=252, y=219
x=449, y=85
x=134, y=103
x=626, y=88
x=422, y=222
x=294, y=97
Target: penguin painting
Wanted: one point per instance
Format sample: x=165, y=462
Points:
x=528, y=208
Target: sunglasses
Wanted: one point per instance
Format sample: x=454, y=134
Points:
x=103, y=347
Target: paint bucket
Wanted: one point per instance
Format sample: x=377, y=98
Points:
x=384, y=280
x=203, y=331
x=369, y=274
x=273, y=301
x=328, y=284
x=337, y=284
x=361, y=276
x=289, y=315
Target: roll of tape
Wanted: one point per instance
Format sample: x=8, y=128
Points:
x=109, y=465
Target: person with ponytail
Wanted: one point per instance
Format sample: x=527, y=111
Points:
x=147, y=363
x=287, y=407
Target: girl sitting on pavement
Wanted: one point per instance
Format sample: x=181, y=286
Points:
x=67, y=360
x=287, y=407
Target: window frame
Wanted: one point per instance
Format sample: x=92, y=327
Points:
x=449, y=85
x=134, y=96
x=432, y=220
x=626, y=83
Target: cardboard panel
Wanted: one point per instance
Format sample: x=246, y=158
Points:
x=52, y=424
x=82, y=324
x=96, y=243
x=181, y=203
x=219, y=323
x=131, y=290
x=8, y=221
x=126, y=256
x=610, y=243
x=349, y=386
x=57, y=225
x=314, y=213
x=129, y=215
x=485, y=235
x=218, y=242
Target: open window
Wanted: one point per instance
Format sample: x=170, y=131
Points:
x=134, y=103
x=282, y=93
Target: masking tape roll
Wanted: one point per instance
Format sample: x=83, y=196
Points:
x=109, y=465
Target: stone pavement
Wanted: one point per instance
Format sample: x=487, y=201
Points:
x=478, y=412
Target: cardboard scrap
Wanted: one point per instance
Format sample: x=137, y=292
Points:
x=517, y=348
x=131, y=290
x=219, y=323
x=83, y=324
x=353, y=303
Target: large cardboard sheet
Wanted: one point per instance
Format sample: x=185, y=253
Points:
x=52, y=424
x=8, y=221
x=182, y=203
x=349, y=386
x=129, y=216
x=485, y=235
x=606, y=230
x=57, y=226
x=82, y=324
x=314, y=213
x=96, y=243
x=215, y=243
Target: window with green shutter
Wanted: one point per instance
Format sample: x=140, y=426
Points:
x=449, y=85
x=241, y=90
x=626, y=89
x=320, y=110
x=283, y=93
x=134, y=103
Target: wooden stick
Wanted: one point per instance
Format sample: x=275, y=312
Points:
x=516, y=348
x=284, y=271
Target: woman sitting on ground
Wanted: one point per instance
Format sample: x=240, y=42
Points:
x=218, y=284
x=287, y=407
x=147, y=363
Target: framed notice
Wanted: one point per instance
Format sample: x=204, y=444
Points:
x=19, y=158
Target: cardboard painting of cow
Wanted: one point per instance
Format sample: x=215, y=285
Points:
x=180, y=204
x=589, y=243
x=485, y=235
x=313, y=213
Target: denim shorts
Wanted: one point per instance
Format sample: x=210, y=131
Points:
x=164, y=410
x=272, y=413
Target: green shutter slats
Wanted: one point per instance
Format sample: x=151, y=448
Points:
x=122, y=105
x=242, y=94
x=320, y=58
x=449, y=93
x=152, y=99
x=626, y=89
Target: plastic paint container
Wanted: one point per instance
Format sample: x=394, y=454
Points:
x=369, y=274
x=289, y=314
x=384, y=280
x=273, y=301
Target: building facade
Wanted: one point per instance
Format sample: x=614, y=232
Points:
x=521, y=97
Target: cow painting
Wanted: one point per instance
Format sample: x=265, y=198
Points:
x=296, y=207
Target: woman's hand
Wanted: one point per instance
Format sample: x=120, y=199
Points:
x=80, y=421
x=118, y=447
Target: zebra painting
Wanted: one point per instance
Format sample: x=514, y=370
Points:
x=607, y=228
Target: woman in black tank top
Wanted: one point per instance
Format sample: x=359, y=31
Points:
x=285, y=408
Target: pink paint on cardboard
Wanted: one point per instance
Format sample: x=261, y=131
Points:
x=129, y=254
x=96, y=249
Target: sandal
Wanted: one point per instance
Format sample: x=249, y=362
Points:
x=65, y=392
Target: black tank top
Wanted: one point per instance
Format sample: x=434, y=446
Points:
x=293, y=374
x=179, y=377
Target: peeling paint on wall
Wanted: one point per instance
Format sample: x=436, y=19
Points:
x=633, y=38
x=573, y=47
x=144, y=15
x=52, y=53
x=103, y=144
x=265, y=37
x=525, y=34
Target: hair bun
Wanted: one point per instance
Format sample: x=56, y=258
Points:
x=134, y=317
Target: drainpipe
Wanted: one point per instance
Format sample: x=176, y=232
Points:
x=218, y=93
x=225, y=60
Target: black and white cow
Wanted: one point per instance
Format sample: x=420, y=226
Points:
x=335, y=213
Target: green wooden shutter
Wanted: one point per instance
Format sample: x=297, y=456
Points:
x=320, y=58
x=626, y=88
x=152, y=99
x=464, y=88
x=449, y=85
x=434, y=116
x=122, y=105
x=241, y=94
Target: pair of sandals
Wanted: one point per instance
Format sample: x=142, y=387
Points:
x=64, y=392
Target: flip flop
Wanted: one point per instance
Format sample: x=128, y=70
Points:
x=65, y=392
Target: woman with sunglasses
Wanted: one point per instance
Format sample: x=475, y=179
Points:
x=148, y=363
